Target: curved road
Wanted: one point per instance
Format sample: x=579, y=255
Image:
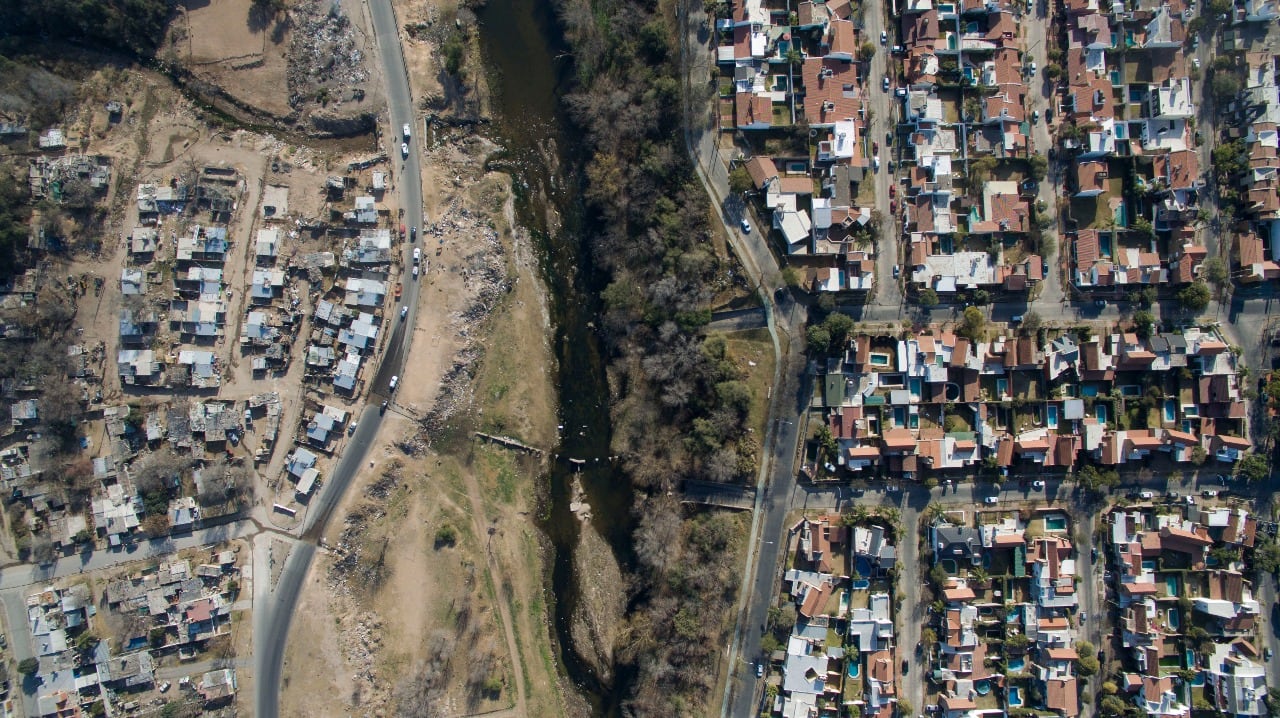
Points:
x=273, y=615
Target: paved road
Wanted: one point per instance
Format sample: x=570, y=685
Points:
x=272, y=619
x=1041, y=98
x=883, y=121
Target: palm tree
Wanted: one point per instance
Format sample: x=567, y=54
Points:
x=935, y=512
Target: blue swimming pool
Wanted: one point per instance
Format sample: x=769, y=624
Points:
x=863, y=566
x=1055, y=522
x=982, y=687
x=1191, y=659
x=1015, y=697
x=854, y=669
x=1017, y=664
x=1053, y=416
x=1171, y=585
x=1174, y=619
x=1101, y=412
x=861, y=584
x=1170, y=410
x=1149, y=564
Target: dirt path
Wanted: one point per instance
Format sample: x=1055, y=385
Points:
x=491, y=564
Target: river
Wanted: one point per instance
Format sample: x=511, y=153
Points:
x=528, y=70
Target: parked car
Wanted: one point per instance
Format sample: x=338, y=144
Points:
x=759, y=670
x=991, y=500
x=885, y=84
x=1266, y=654
x=893, y=206
x=1015, y=319
x=1209, y=493
x=405, y=131
x=1084, y=616
x=413, y=234
x=1031, y=6
x=394, y=381
x=415, y=271
x=1146, y=495
x=897, y=270
x=746, y=226
x=404, y=149
x=893, y=190
x=901, y=92
x=351, y=428
x=1032, y=70
x=1035, y=116
x=1037, y=485
x=875, y=148
x=884, y=38
x=403, y=312
x=417, y=255
x=875, y=164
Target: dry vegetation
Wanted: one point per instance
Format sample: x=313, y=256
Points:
x=681, y=407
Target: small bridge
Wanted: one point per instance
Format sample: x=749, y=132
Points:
x=725, y=496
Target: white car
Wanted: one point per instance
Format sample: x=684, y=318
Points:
x=417, y=254
x=403, y=312
x=992, y=500
x=394, y=380
x=415, y=272
x=1032, y=70
x=884, y=38
x=406, y=132
x=1038, y=485
x=875, y=163
x=404, y=149
x=1146, y=495
x=746, y=225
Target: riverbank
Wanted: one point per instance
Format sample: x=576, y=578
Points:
x=434, y=589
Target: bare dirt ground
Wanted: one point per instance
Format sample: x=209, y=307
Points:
x=285, y=64
x=449, y=627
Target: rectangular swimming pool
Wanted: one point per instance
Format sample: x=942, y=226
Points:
x=1053, y=416
x=1170, y=411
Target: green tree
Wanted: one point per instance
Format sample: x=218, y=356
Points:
x=1031, y=322
x=28, y=666
x=740, y=180
x=972, y=324
x=1052, y=71
x=1143, y=321
x=819, y=340
x=1091, y=479
x=1143, y=228
x=838, y=326
x=1253, y=467
x=938, y=575
x=1038, y=165
x=1266, y=558
x=928, y=297
x=1225, y=86
x=866, y=51
x=1112, y=706
x=1195, y=296
x=1215, y=271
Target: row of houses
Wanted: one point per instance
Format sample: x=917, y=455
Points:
x=1008, y=626
x=840, y=650
x=1186, y=608
x=1128, y=117
x=941, y=402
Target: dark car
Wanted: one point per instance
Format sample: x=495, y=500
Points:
x=906, y=665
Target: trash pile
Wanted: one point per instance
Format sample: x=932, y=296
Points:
x=325, y=60
x=485, y=280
